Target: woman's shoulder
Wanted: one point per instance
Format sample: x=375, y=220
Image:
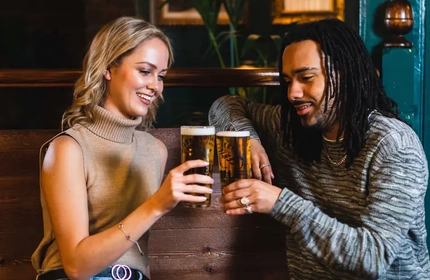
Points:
x=60, y=147
x=144, y=135
x=150, y=141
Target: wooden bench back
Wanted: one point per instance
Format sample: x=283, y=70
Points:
x=184, y=244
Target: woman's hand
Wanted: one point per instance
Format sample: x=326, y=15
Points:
x=258, y=195
x=261, y=168
x=177, y=186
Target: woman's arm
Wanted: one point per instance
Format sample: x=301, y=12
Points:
x=64, y=187
x=163, y=157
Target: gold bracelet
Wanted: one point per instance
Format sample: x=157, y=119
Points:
x=120, y=226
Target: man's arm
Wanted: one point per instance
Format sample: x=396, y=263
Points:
x=232, y=112
x=262, y=120
x=397, y=185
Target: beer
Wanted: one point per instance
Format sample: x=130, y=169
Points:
x=198, y=142
x=234, y=156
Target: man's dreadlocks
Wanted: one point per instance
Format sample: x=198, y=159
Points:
x=351, y=78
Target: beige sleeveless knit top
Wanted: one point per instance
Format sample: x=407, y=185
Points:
x=122, y=170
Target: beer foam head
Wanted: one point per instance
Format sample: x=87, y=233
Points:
x=233, y=133
x=197, y=130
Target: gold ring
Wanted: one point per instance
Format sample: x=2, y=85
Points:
x=265, y=165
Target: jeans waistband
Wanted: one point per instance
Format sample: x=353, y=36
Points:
x=115, y=272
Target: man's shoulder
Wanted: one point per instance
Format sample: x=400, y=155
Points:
x=383, y=128
x=379, y=122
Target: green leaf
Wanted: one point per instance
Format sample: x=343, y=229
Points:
x=277, y=41
x=209, y=11
x=234, y=9
x=249, y=44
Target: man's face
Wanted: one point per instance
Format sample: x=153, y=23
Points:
x=303, y=71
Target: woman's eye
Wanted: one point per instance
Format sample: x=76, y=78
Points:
x=161, y=77
x=144, y=72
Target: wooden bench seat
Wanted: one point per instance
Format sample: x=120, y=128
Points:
x=184, y=244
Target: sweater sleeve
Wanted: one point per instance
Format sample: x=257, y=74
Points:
x=232, y=112
x=397, y=182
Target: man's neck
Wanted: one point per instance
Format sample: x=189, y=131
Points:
x=331, y=134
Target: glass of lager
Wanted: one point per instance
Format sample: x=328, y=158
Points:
x=234, y=156
x=198, y=142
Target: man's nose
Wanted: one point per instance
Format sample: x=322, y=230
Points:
x=295, y=91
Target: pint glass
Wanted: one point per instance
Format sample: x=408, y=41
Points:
x=234, y=156
x=198, y=142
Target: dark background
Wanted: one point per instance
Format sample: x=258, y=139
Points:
x=55, y=35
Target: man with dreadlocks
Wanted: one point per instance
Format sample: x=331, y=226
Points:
x=352, y=175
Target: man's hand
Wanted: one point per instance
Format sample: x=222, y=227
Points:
x=258, y=196
x=261, y=168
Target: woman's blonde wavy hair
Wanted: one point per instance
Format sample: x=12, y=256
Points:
x=110, y=45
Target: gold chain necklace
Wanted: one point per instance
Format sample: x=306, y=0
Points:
x=329, y=158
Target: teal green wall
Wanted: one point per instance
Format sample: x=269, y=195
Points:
x=403, y=70
x=426, y=90
x=426, y=107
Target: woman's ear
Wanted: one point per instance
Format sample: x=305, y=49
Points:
x=107, y=74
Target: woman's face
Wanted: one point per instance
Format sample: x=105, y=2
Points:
x=138, y=80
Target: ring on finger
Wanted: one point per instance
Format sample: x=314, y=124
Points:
x=248, y=209
x=244, y=201
x=264, y=165
x=239, y=202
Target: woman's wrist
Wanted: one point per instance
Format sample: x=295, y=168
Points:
x=154, y=208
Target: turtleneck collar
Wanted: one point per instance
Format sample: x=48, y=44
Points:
x=111, y=127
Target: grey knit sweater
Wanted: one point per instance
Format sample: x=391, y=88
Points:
x=361, y=222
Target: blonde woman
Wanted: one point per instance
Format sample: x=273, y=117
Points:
x=101, y=179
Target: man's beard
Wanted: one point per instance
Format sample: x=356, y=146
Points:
x=312, y=130
x=323, y=122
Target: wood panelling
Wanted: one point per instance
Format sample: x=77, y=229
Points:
x=185, y=244
x=193, y=77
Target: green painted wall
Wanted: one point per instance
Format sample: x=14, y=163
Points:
x=426, y=103
x=426, y=90
x=403, y=70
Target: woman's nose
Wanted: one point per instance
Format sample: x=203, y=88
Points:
x=153, y=84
